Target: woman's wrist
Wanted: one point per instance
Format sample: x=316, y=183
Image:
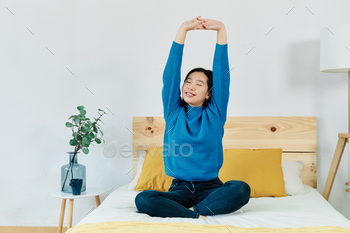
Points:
x=221, y=26
x=184, y=28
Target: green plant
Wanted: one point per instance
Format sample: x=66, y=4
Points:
x=84, y=133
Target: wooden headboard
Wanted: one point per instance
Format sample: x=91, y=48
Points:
x=295, y=135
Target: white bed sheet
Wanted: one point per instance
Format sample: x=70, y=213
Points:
x=305, y=210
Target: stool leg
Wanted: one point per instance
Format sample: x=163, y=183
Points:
x=63, y=208
x=70, y=213
x=334, y=167
x=98, y=202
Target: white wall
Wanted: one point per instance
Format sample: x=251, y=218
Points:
x=118, y=49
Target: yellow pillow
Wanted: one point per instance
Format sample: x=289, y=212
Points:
x=260, y=168
x=153, y=175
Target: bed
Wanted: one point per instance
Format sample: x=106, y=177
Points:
x=303, y=209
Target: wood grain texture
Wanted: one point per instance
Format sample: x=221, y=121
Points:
x=295, y=135
x=309, y=172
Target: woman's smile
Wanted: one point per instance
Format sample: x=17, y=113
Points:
x=189, y=94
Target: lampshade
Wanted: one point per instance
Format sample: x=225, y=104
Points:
x=335, y=49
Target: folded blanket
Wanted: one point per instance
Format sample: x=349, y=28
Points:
x=155, y=227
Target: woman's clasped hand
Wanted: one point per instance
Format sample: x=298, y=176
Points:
x=201, y=23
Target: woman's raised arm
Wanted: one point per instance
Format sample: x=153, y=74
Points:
x=172, y=73
x=221, y=76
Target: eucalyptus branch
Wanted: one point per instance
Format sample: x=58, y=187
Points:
x=84, y=135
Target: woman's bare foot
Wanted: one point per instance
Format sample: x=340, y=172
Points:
x=200, y=216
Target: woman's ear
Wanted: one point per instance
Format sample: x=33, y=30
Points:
x=208, y=95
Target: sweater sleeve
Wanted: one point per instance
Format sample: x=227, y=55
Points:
x=221, y=82
x=171, y=94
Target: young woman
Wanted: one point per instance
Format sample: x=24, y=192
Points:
x=193, y=136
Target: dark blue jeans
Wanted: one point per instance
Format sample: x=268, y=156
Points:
x=206, y=197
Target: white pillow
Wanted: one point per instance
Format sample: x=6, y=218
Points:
x=292, y=177
x=141, y=154
x=291, y=174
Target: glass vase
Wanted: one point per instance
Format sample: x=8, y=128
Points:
x=75, y=171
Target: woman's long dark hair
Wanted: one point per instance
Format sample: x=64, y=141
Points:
x=209, y=75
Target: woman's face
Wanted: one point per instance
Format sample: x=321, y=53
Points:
x=195, y=89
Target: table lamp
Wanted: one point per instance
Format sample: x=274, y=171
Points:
x=335, y=58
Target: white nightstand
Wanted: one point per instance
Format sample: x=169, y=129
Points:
x=90, y=192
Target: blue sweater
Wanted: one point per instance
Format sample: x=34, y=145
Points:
x=193, y=140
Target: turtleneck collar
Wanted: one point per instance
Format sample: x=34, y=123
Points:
x=193, y=111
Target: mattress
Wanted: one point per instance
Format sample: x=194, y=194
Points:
x=305, y=210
